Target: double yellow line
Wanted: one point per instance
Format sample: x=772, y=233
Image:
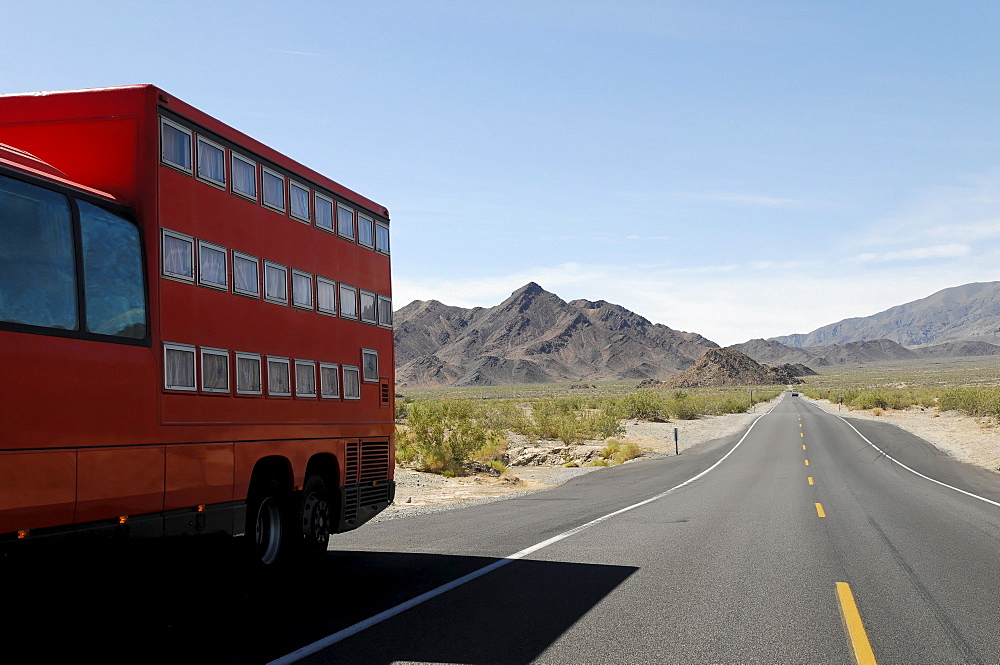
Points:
x=861, y=648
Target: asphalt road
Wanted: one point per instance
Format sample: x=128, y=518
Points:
x=737, y=566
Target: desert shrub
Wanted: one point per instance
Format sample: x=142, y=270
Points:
x=611, y=447
x=599, y=462
x=643, y=405
x=877, y=411
x=629, y=450
x=870, y=399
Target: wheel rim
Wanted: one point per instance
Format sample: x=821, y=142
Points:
x=316, y=520
x=268, y=531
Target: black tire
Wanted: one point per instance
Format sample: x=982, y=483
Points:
x=315, y=517
x=266, y=531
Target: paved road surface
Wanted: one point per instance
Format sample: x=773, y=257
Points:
x=738, y=566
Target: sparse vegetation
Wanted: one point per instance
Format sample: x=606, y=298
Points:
x=439, y=433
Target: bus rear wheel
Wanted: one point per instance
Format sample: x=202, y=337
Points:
x=316, y=516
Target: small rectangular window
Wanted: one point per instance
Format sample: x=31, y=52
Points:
x=365, y=231
x=178, y=367
x=368, y=307
x=246, y=276
x=345, y=222
x=382, y=238
x=175, y=145
x=278, y=377
x=305, y=378
x=274, y=189
x=302, y=289
x=215, y=370
x=298, y=197
x=275, y=283
x=352, y=382
x=211, y=162
x=348, y=302
x=324, y=212
x=178, y=256
x=369, y=363
x=329, y=381
x=244, y=176
x=326, y=296
x=384, y=312
x=212, y=265
x=248, y=374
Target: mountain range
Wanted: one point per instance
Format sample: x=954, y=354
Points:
x=961, y=313
x=536, y=337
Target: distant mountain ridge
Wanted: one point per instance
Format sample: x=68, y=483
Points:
x=970, y=312
x=773, y=352
x=534, y=337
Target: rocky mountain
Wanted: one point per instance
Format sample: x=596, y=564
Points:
x=967, y=312
x=729, y=367
x=857, y=353
x=533, y=337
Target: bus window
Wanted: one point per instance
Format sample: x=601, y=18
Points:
x=37, y=257
x=113, y=276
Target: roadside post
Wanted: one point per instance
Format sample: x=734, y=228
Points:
x=677, y=450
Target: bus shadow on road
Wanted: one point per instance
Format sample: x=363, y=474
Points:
x=511, y=615
x=187, y=602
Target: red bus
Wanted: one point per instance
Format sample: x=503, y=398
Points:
x=195, y=330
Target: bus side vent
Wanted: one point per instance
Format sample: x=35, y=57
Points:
x=372, y=496
x=374, y=461
x=351, y=462
x=384, y=401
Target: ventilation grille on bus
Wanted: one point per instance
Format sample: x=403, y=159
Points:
x=384, y=394
x=371, y=496
x=351, y=505
x=351, y=463
x=374, y=461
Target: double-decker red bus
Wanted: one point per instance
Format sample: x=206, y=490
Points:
x=195, y=330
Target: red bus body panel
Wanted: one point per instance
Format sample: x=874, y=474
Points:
x=88, y=430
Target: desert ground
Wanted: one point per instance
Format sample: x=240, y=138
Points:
x=972, y=440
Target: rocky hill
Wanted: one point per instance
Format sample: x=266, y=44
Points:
x=729, y=367
x=533, y=337
x=967, y=312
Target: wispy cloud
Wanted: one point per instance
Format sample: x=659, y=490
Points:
x=949, y=251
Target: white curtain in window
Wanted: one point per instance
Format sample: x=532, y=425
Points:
x=300, y=202
x=365, y=231
x=324, y=213
x=345, y=221
x=368, y=307
x=244, y=177
x=275, y=287
x=305, y=379
x=348, y=302
x=278, y=381
x=384, y=311
x=180, y=368
x=212, y=265
x=177, y=256
x=382, y=238
x=326, y=297
x=302, y=290
x=248, y=375
x=245, y=275
x=274, y=190
x=176, y=146
x=215, y=372
x=211, y=162
x=352, y=383
x=329, y=381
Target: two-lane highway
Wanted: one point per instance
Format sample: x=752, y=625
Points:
x=803, y=530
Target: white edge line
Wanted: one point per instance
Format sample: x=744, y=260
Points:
x=330, y=640
x=916, y=473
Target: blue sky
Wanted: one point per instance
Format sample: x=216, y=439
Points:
x=736, y=169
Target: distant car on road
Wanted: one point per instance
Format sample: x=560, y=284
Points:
x=795, y=393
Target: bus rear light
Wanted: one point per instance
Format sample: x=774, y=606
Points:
x=201, y=507
x=122, y=519
x=22, y=534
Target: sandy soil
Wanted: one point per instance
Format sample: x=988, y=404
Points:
x=972, y=440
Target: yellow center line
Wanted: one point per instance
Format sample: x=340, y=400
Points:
x=811, y=480
x=807, y=462
x=861, y=648
x=802, y=434
x=819, y=510
x=803, y=446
